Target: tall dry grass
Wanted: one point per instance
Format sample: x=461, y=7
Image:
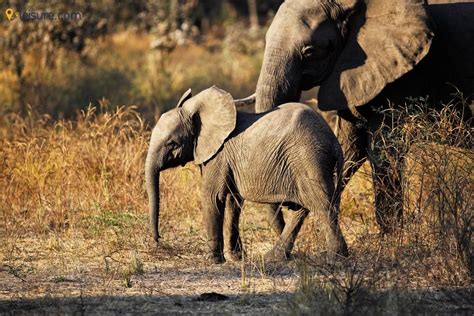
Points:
x=55, y=174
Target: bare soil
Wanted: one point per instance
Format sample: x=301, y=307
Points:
x=164, y=288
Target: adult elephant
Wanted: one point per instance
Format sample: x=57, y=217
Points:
x=362, y=54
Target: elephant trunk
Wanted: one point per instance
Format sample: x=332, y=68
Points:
x=152, y=177
x=279, y=80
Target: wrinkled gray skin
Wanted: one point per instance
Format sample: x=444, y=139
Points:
x=286, y=156
x=361, y=54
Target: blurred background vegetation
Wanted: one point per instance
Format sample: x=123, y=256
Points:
x=128, y=52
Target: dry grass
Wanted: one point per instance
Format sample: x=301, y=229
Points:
x=56, y=174
x=74, y=224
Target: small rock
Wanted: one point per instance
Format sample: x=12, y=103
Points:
x=212, y=297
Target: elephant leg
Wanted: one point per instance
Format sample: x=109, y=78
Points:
x=283, y=247
x=275, y=217
x=328, y=208
x=358, y=143
x=388, y=197
x=334, y=238
x=353, y=140
x=323, y=198
x=213, y=211
x=386, y=162
x=388, y=190
x=234, y=205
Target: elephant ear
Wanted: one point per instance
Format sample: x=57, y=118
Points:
x=385, y=40
x=215, y=114
x=185, y=97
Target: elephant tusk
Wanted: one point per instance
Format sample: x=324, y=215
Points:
x=246, y=101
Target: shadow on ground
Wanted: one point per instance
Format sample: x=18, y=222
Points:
x=239, y=304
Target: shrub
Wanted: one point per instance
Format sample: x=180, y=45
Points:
x=437, y=179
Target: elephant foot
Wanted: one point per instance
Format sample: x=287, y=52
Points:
x=234, y=255
x=336, y=245
x=274, y=262
x=336, y=254
x=276, y=254
x=215, y=258
x=343, y=251
x=390, y=230
x=332, y=258
x=234, y=250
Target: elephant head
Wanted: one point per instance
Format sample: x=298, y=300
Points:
x=350, y=48
x=194, y=131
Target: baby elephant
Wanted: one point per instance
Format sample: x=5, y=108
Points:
x=287, y=156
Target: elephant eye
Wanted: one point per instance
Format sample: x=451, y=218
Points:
x=317, y=52
x=307, y=51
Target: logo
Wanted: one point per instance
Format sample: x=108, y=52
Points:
x=11, y=15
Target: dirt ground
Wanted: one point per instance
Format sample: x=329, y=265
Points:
x=189, y=288
x=163, y=289
x=57, y=276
